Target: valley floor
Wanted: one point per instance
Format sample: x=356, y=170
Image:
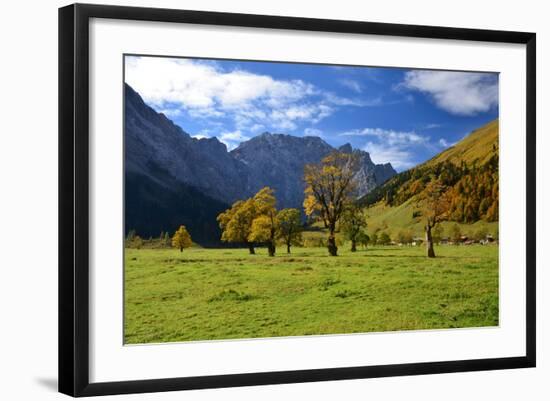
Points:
x=207, y=294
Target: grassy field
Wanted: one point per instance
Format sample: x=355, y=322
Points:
x=206, y=294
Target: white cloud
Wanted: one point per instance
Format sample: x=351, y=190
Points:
x=257, y=128
x=253, y=101
x=313, y=132
x=234, y=136
x=344, y=101
x=400, y=148
x=232, y=139
x=205, y=112
x=431, y=126
x=351, y=84
x=205, y=133
x=284, y=125
x=193, y=84
x=399, y=157
x=390, y=137
x=462, y=93
x=445, y=144
x=170, y=112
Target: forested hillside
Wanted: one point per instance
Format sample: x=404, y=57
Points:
x=468, y=172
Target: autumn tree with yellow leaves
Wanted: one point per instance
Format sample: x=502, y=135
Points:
x=264, y=225
x=435, y=209
x=251, y=221
x=329, y=190
x=236, y=223
x=181, y=239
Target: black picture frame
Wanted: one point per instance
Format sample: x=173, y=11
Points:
x=74, y=198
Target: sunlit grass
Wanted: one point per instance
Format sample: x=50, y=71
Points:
x=205, y=294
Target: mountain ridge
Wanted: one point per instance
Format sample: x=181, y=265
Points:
x=474, y=147
x=275, y=160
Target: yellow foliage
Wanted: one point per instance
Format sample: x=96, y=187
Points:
x=329, y=187
x=329, y=190
x=236, y=222
x=265, y=201
x=250, y=220
x=436, y=203
x=181, y=239
x=261, y=229
x=264, y=225
x=289, y=223
x=311, y=206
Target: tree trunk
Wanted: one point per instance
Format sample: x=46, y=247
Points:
x=251, y=249
x=271, y=248
x=332, y=248
x=288, y=247
x=353, y=245
x=181, y=249
x=429, y=241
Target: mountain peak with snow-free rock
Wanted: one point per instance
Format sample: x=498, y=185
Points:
x=160, y=152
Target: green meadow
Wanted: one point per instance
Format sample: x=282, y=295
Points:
x=215, y=294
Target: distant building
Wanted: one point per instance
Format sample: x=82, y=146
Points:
x=487, y=240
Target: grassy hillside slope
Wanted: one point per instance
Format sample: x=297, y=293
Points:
x=476, y=147
x=392, y=220
x=472, y=154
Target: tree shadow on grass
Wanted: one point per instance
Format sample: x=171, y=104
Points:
x=374, y=255
x=383, y=249
x=420, y=257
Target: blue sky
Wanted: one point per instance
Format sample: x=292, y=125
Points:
x=401, y=116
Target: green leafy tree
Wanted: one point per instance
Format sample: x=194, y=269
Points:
x=289, y=227
x=437, y=233
x=363, y=239
x=353, y=224
x=405, y=237
x=384, y=239
x=374, y=239
x=456, y=234
x=481, y=234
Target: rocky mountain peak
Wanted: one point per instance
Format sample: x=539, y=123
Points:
x=346, y=148
x=157, y=148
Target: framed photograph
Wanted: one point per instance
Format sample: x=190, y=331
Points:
x=251, y=199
